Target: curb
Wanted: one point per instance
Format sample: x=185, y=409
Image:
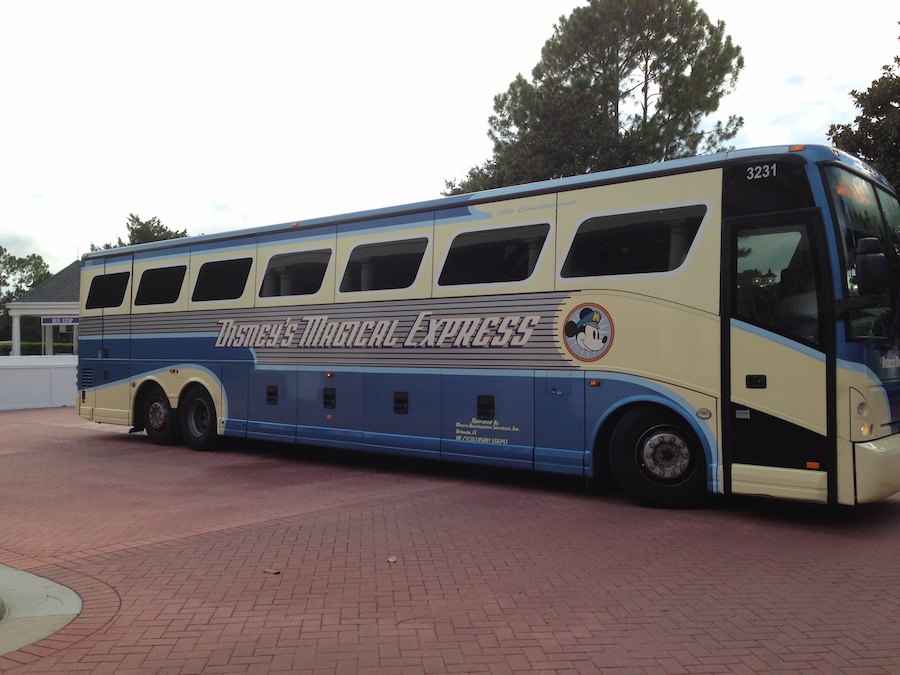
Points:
x=32, y=608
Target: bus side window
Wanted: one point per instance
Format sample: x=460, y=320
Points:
x=107, y=290
x=385, y=265
x=295, y=274
x=493, y=256
x=633, y=243
x=160, y=286
x=222, y=280
x=775, y=284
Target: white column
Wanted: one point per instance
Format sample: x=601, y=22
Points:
x=47, y=349
x=16, y=335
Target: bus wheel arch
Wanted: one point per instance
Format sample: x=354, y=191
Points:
x=198, y=418
x=155, y=415
x=601, y=479
x=657, y=458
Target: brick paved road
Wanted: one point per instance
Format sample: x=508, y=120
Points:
x=169, y=551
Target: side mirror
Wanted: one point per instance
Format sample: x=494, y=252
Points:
x=872, y=274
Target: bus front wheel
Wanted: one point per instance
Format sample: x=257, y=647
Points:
x=158, y=417
x=657, y=460
x=198, y=419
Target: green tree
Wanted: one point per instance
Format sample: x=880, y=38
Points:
x=17, y=275
x=620, y=82
x=875, y=133
x=141, y=232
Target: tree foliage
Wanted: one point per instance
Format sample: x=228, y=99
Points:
x=17, y=275
x=620, y=82
x=141, y=232
x=875, y=133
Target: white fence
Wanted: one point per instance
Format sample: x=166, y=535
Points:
x=37, y=381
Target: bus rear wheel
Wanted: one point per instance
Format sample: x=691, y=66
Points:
x=160, y=420
x=198, y=419
x=657, y=460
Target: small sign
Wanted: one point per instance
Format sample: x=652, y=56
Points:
x=58, y=320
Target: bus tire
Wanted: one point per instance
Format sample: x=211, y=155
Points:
x=657, y=459
x=198, y=419
x=160, y=420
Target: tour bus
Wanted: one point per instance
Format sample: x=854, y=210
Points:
x=724, y=324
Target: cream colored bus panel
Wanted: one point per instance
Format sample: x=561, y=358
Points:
x=653, y=339
x=270, y=262
x=155, y=266
x=787, y=371
x=367, y=253
x=877, y=469
x=89, y=276
x=695, y=282
x=519, y=216
x=218, y=271
x=109, y=402
x=773, y=481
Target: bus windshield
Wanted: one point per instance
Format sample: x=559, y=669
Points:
x=864, y=209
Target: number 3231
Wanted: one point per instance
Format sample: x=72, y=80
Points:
x=761, y=171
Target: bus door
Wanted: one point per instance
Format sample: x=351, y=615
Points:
x=778, y=433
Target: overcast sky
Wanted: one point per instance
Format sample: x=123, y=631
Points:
x=222, y=115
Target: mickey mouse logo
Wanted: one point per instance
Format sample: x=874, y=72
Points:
x=589, y=332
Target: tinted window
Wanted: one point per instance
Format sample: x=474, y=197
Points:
x=393, y=264
x=493, y=256
x=160, y=286
x=107, y=290
x=295, y=274
x=766, y=187
x=775, y=281
x=863, y=211
x=633, y=243
x=222, y=280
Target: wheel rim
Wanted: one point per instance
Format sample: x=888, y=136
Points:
x=198, y=419
x=157, y=414
x=664, y=455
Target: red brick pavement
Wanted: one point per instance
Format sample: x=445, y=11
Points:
x=169, y=551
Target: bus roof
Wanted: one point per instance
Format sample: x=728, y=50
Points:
x=804, y=153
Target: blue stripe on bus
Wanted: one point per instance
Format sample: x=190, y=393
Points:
x=861, y=368
x=642, y=390
x=779, y=339
x=388, y=224
x=224, y=245
x=169, y=255
x=321, y=235
x=159, y=346
x=111, y=337
x=540, y=439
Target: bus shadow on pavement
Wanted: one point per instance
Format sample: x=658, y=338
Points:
x=865, y=517
x=402, y=465
x=837, y=518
